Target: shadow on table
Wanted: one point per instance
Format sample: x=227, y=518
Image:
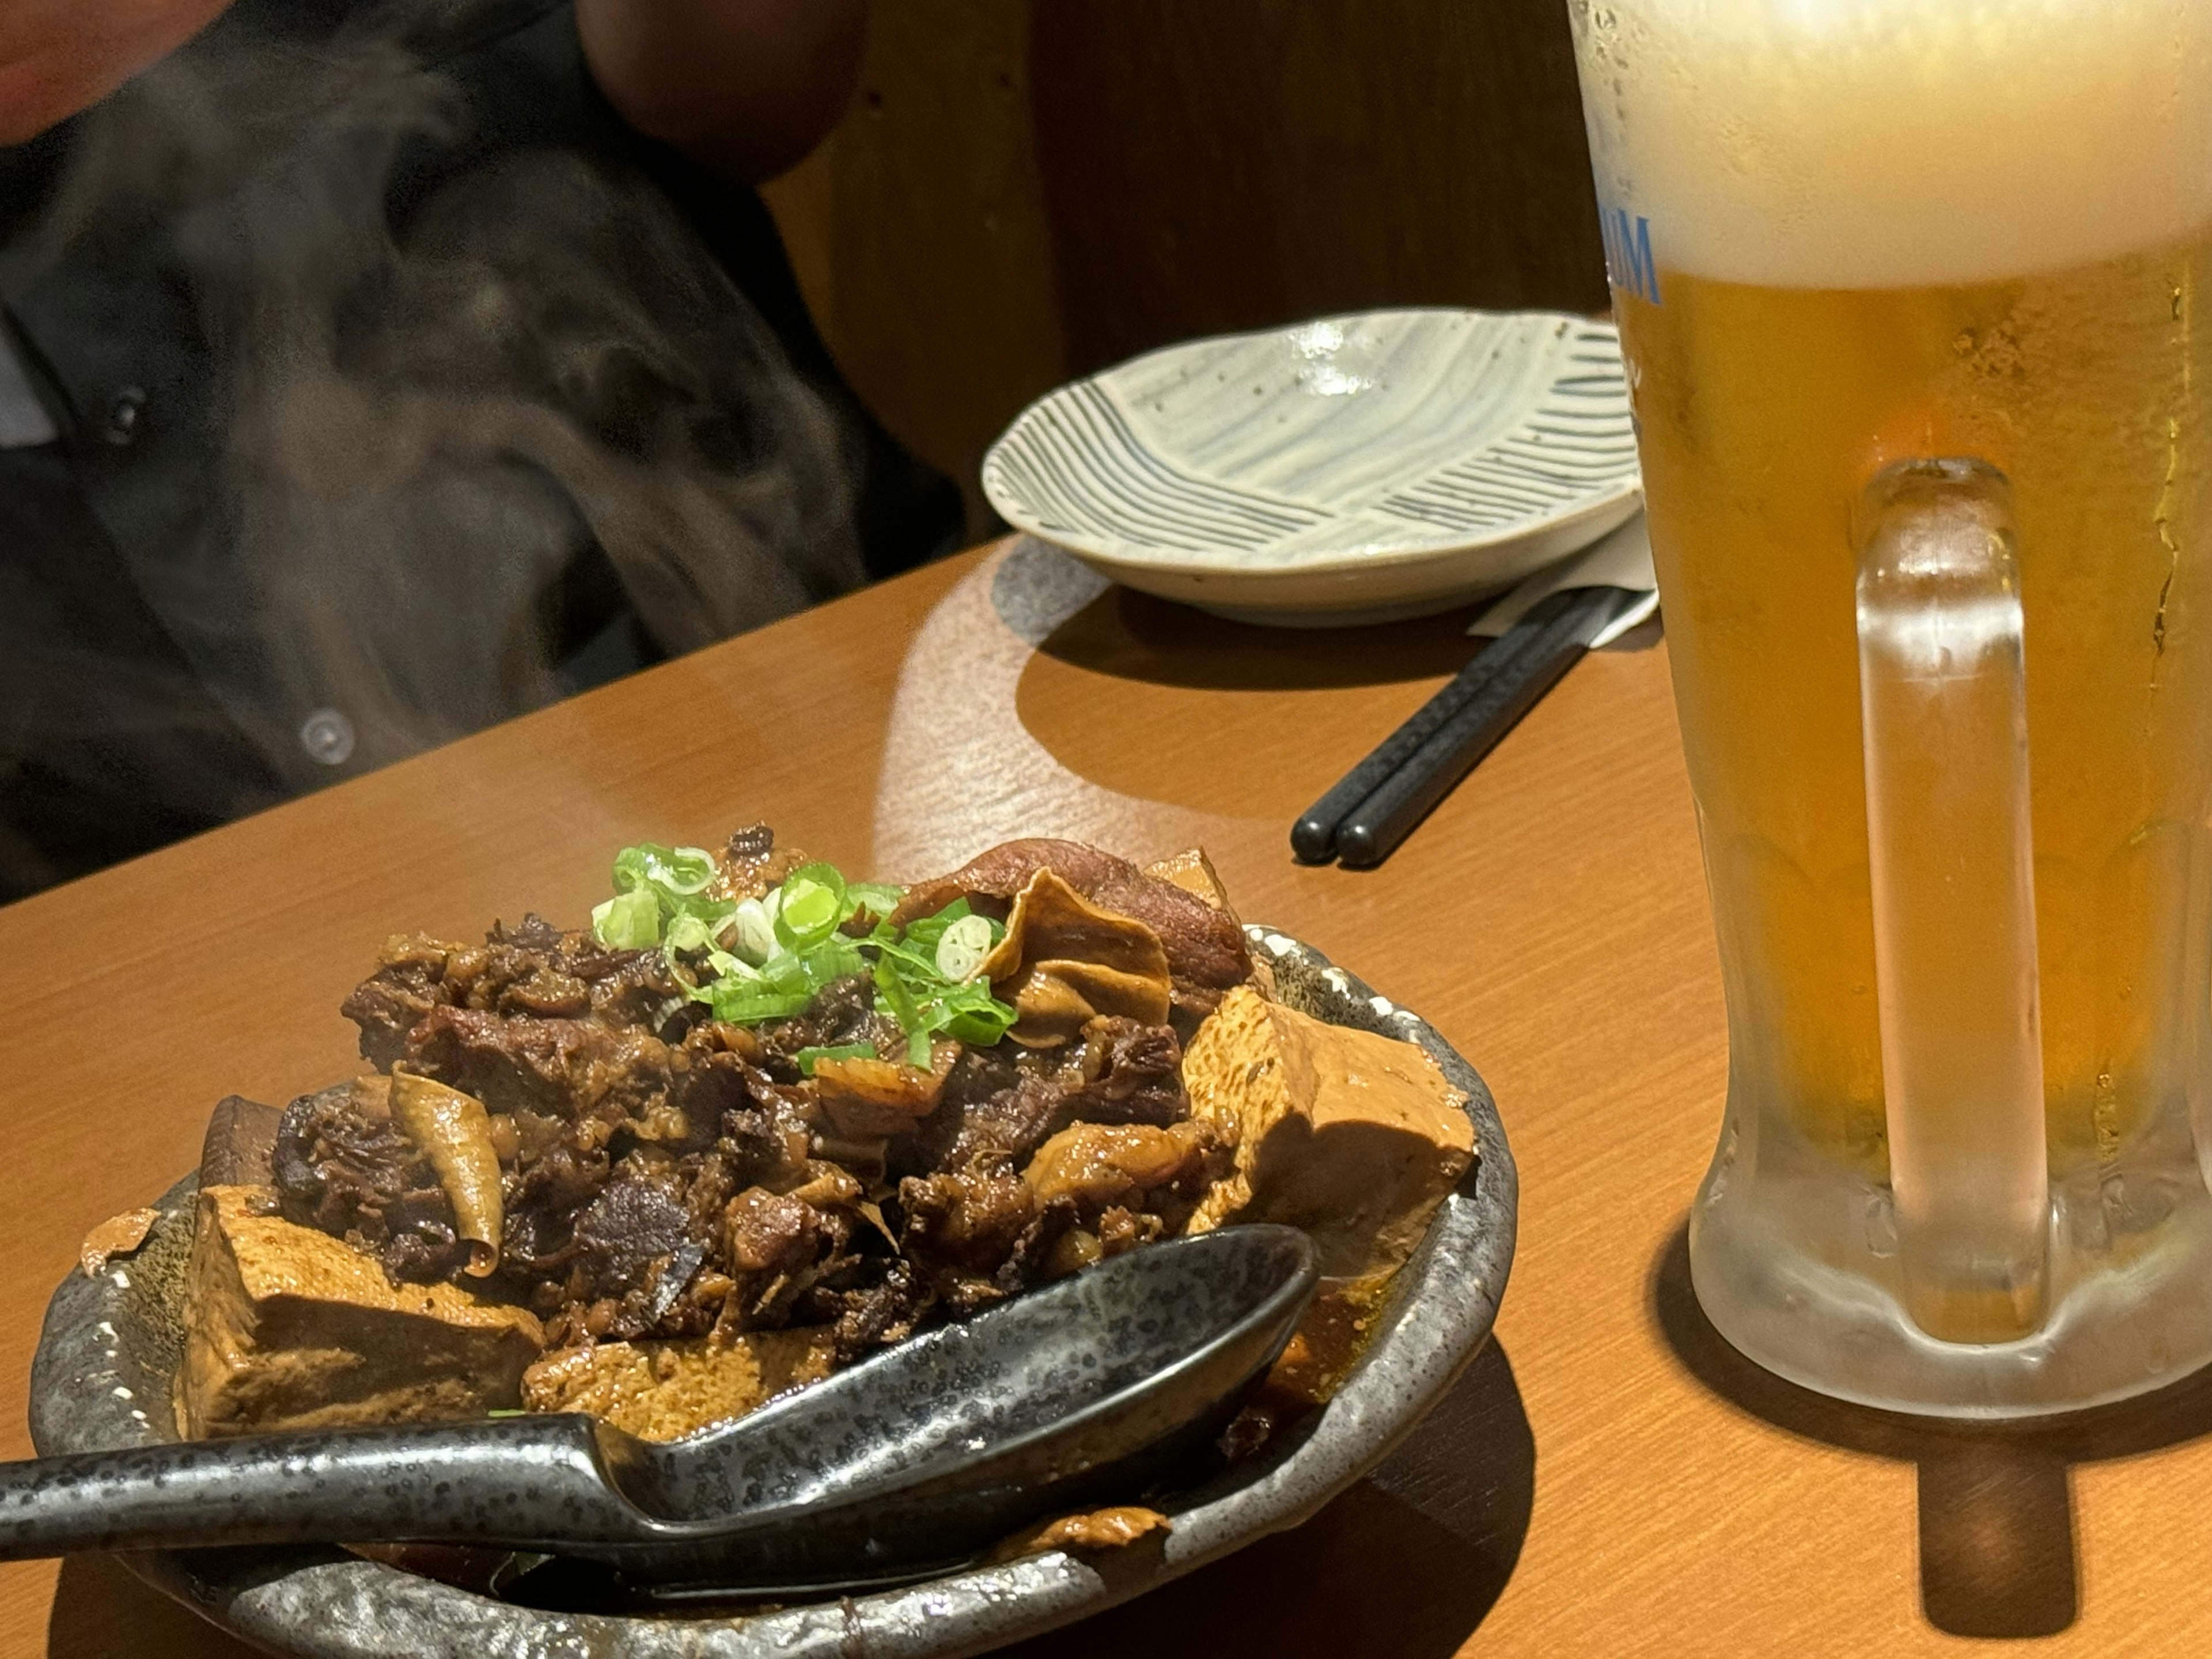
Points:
x=1403, y=1566
x=1997, y=1512
x=102, y=1612
x=1088, y=624
x=1071, y=614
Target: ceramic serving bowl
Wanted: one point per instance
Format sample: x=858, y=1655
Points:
x=1356, y=468
x=101, y=1380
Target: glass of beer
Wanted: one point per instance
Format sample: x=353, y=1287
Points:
x=1913, y=296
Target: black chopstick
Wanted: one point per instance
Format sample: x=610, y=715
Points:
x=1371, y=831
x=1313, y=837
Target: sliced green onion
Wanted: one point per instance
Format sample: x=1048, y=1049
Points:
x=730, y=967
x=894, y=997
x=773, y=956
x=628, y=921
x=689, y=932
x=962, y=949
x=751, y=932
x=682, y=872
x=810, y=905
x=877, y=898
x=925, y=931
x=981, y=1027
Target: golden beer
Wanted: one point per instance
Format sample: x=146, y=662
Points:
x=1763, y=414
x=1963, y=243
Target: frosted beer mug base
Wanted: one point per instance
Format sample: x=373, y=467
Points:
x=1908, y=292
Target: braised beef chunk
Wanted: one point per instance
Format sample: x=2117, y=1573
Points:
x=533, y=934
x=572, y=1068
x=844, y=1012
x=752, y=863
x=779, y=1247
x=543, y=1197
x=1131, y=1073
x=1003, y=1111
x=408, y=982
x=665, y=1174
x=977, y=1237
x=342, y=1166
x=870, y=1302
x=530, y=972
x=770, y=1232
x=632, y=988
x=635, y=1251
x=1007, y=1102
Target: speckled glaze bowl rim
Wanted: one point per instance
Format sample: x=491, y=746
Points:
x=100, y=1380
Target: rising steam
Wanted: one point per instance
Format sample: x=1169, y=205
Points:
x=422, y=431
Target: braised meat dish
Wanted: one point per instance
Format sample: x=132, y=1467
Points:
x=756, y=1121
x=664, y=1172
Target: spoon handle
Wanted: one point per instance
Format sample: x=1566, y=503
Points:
x=521, y=1481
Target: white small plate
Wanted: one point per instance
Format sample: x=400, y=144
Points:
x=1356, y=468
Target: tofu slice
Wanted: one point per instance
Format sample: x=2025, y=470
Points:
x=1353, y=1137
x=666, y=1390
x=288, y=1327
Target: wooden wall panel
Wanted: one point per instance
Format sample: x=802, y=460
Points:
x=1229, y=163
x=921, y=236
x=1030, y=189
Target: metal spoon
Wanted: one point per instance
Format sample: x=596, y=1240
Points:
x=927, y=1452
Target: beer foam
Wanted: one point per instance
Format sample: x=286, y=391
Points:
x=1878, y=143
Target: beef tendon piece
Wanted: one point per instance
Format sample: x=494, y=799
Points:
x=1204, y=946
x=119, y=1235
x=1353, y=1137
x=286, y=1328
x=1089, y=1533
x=867, y=1098
x=1066, y=962
x=666, y=1390
x=453, y=1133
x=1095, y=1167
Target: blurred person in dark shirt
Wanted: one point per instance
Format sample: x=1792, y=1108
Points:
x=374, y=370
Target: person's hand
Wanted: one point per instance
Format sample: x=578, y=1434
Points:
x=58, y=57
x=747, y=87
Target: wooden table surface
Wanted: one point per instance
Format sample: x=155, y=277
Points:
x=1609, y=1478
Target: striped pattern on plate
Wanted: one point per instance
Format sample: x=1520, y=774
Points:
x=1384, y=436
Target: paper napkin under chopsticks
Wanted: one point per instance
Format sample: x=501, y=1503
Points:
x=1622, y=560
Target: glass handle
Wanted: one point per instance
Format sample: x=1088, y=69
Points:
x=1943, y=698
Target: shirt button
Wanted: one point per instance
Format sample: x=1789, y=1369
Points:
x=125, y=412
x=327, y=736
